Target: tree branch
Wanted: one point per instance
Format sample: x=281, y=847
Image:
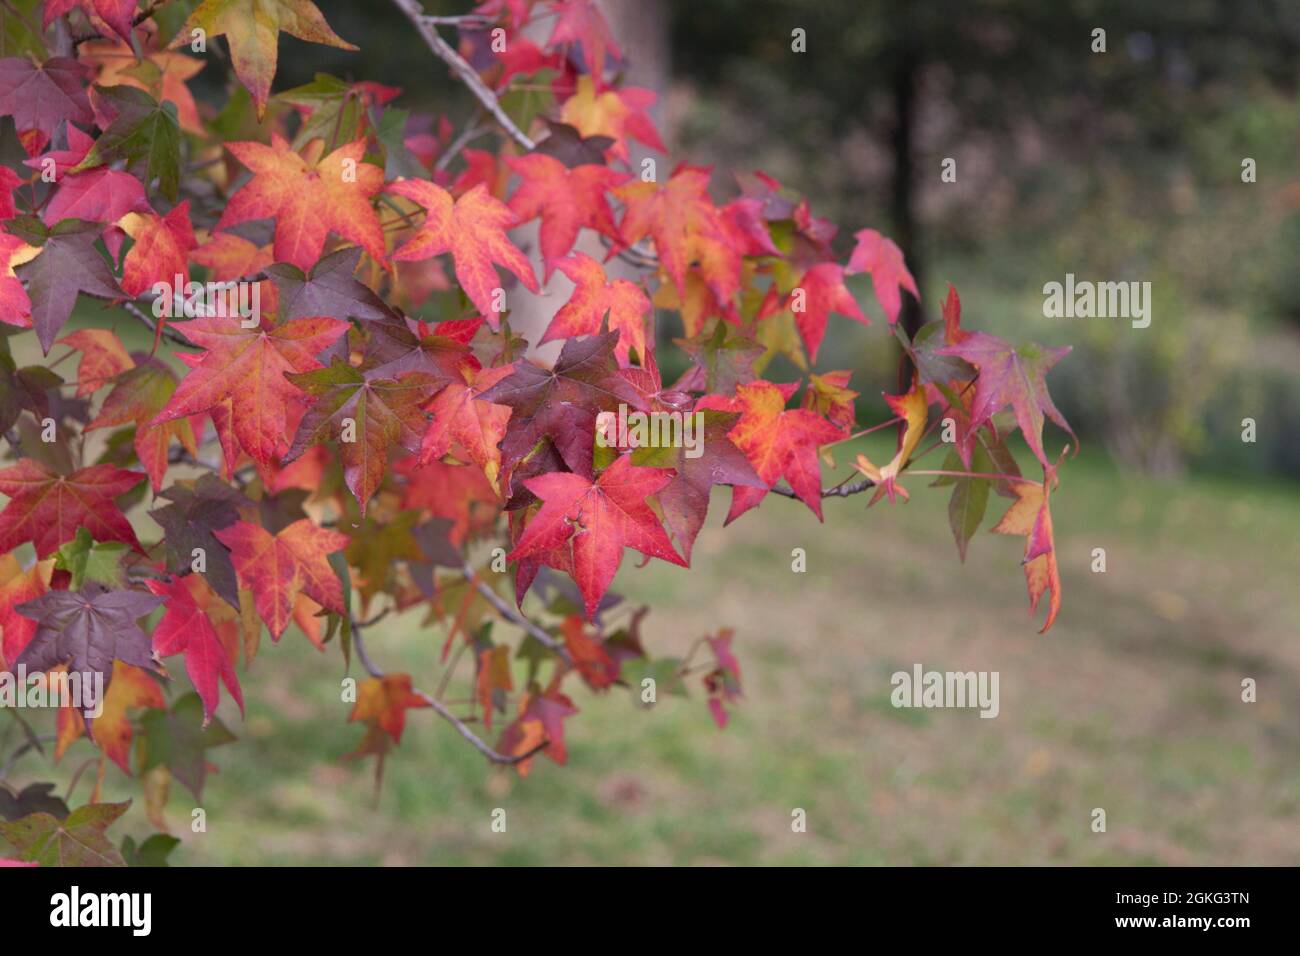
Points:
x=359, y=645
x=151, y=324
x=839, y=491
x=516, y=617
x=428, y=29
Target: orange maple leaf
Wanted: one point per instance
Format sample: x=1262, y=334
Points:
x=1031, y=516
x=308, y=196
x=161, y=251
x=252, y=30
x=912, y=408
x=472, y=228
x=593, y=299
x=686, y=228
x=385, y=701
x=241, y=378
x=463, y=421
x=619, y=114
x=130, y=687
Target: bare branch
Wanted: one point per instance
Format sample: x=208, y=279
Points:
x=428, y=29
x=467, y=136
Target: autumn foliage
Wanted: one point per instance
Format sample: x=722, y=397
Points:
x=375, y=438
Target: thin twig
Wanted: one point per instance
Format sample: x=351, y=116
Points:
x=428, y=29
x=359, y=645
x=839, y=491
x=515, y=617
x=29, y=745
x=632, y=255
x=152, y=325
x=467, y=136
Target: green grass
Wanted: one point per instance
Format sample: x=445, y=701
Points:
x=1131, y=703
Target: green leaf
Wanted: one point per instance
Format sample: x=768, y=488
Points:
x=152, y=852
x=143, y=131
x=398, y=160
x=85, y=560
x=170, y=17
x=176, y=739
x=17, y=38
x=525, y=105
x=77, y=840
x=335, y=110
x=970, y=497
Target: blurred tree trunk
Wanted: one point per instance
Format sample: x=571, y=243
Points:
x=641, y=29
x=903, y=190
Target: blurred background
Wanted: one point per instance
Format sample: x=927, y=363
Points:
x=1117, y=166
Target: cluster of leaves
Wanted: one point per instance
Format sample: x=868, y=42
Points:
x=376, y=438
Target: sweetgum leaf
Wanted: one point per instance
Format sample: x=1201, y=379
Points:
x=76, y=840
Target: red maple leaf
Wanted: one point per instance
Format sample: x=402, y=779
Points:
x=598, y=519
x=241, y=376
x=778, y=443
x=277, y=568
x=1012, y=376
x=385, y=701
x=17, y=587
x=103, y=356
x=40, y=96
x=818, y=292
x=540, y=721
x=161, y=251
x=580, y=21
x=15, y=304
x=138, y=395
x=99, y=194
x=687, y=228
x=47, y=508
x=566, y=199
x=116, y=13
x=589, y=655
x=186, y=629
x=458, y=492
x=595, y=298
x=462, y=421
x=884, y=260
